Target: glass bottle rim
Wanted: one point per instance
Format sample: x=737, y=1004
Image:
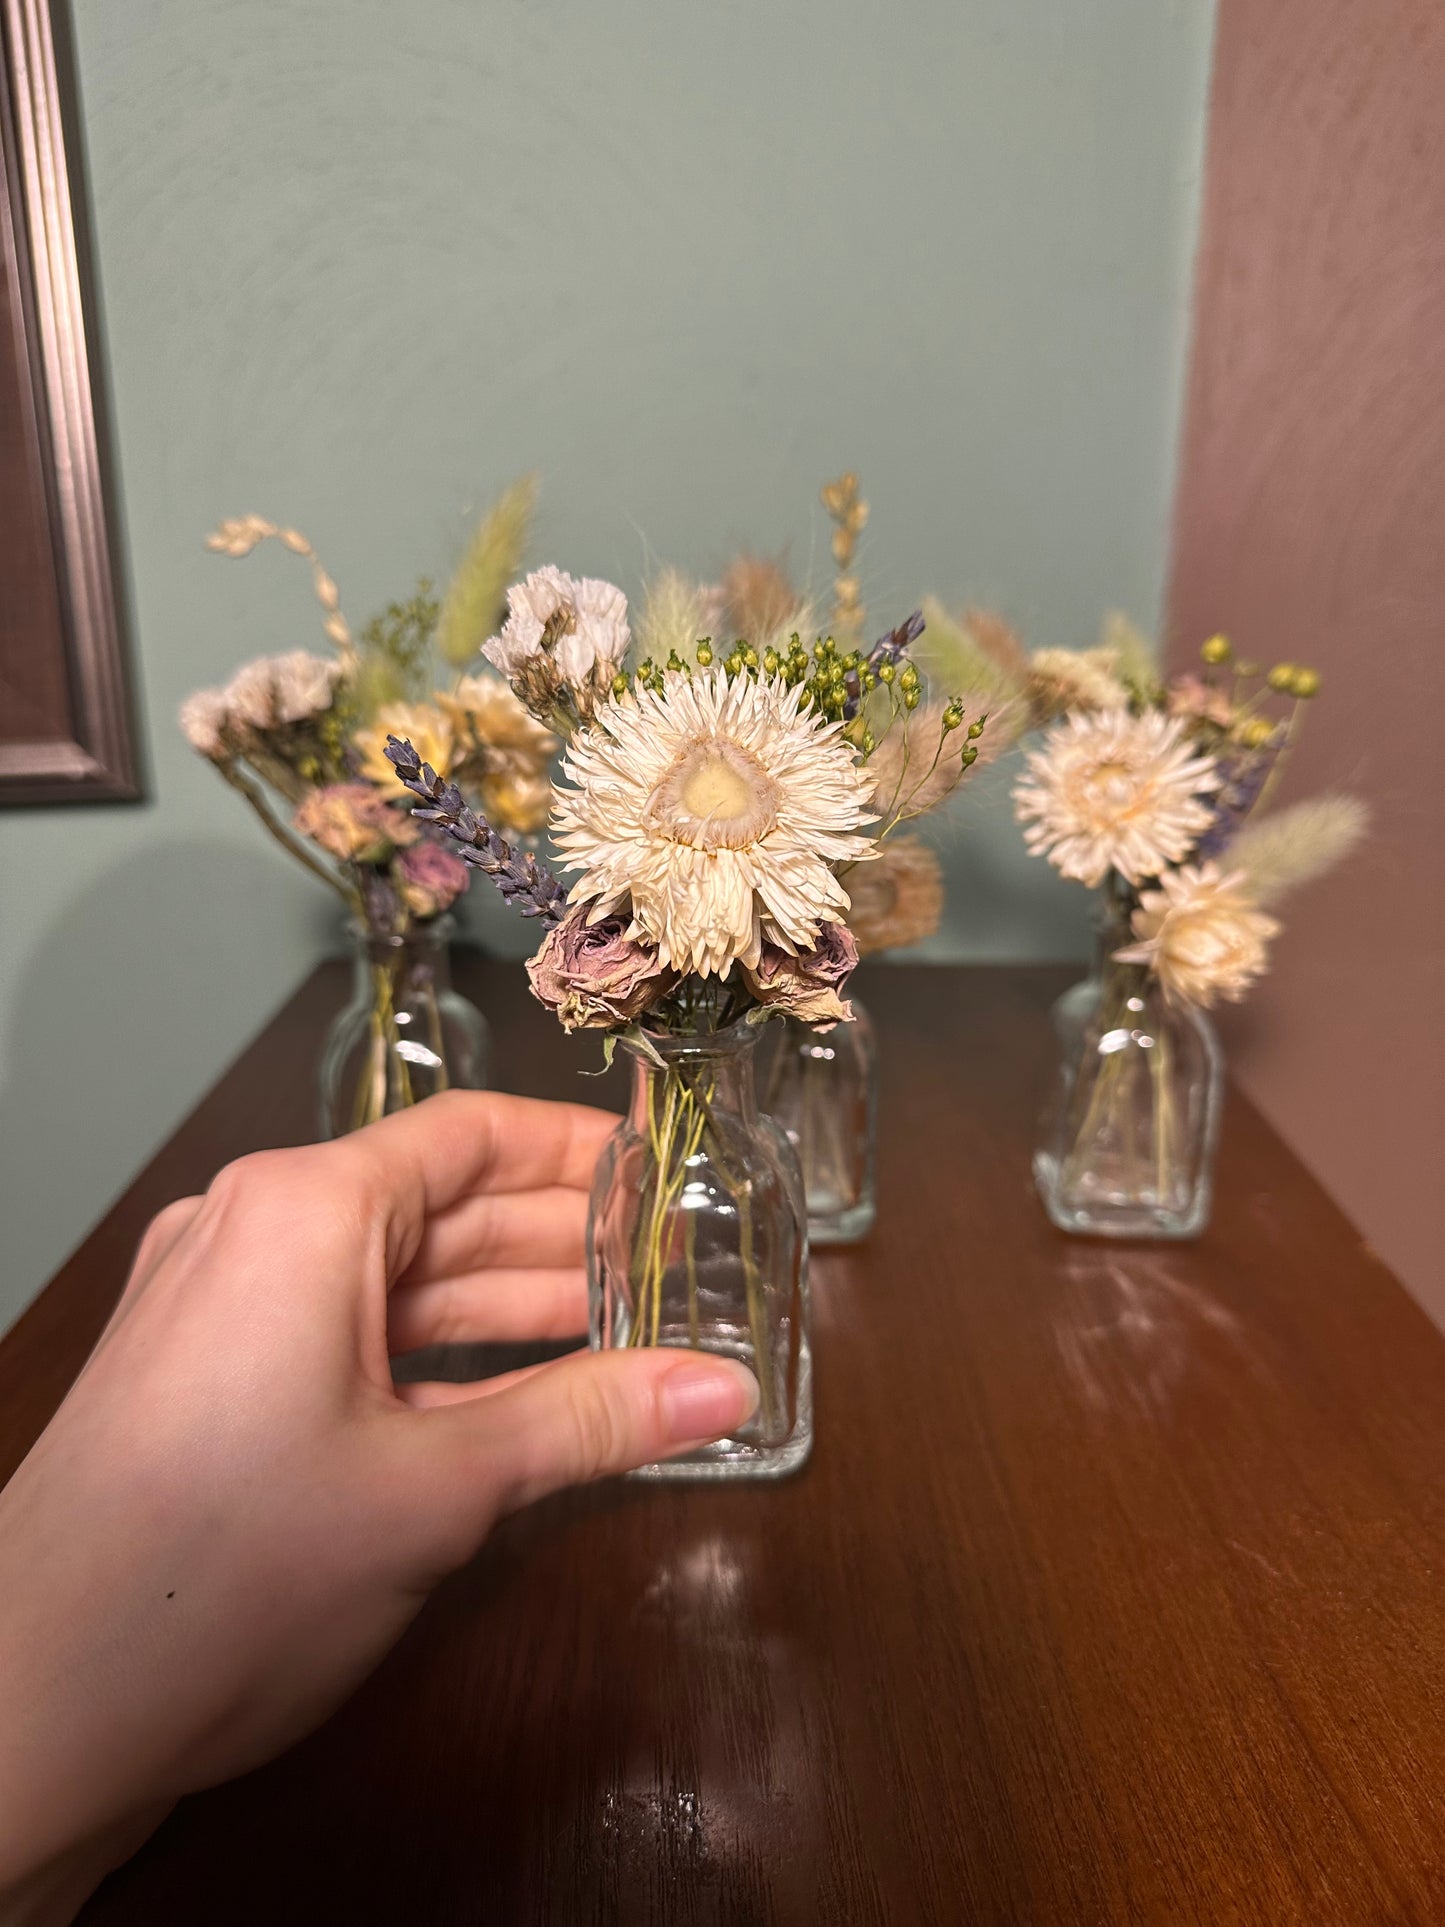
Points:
x=675, y=1046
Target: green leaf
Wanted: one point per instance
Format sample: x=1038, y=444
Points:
x=476, y=599
x=642, y=1043
x=609, y=1051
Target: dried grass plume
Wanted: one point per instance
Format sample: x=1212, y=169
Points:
x=1289, y=847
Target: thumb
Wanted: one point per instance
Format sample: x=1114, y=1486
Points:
x=595, y=1413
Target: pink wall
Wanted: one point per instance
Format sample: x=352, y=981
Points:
x=1310, y=526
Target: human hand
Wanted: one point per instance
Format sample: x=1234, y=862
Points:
x=235, y=1512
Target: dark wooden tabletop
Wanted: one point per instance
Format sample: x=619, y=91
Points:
x=1114, y=1591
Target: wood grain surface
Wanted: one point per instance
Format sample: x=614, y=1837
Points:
x=1112, y=1591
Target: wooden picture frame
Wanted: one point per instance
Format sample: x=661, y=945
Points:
x=66, y=731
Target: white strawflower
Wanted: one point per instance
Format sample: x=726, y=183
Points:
x=712, y=811
x=1115, y=791
x=580, y=623
x=203, y=716
x=1201, y=935
x=303, y=685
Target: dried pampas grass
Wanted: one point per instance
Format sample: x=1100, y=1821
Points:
x=976, y=654
x=1294, y=846
x=676, y=613
x=761, y=603
x=477, y=598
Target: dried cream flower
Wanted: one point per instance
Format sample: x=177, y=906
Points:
x=1201, y=935
x=422, y=724
x=1115, y=791
x=251, y=695
x=580, y=625
x=898, y=900
x=485, y=708
x=1065, y=681
x=281, y=689
x=354, y=822
x=203, y=718
x=501, y=750
x=516, y=800
x=715, y=811
x=303, y=685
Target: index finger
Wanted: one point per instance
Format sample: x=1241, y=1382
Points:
x=462, y=1142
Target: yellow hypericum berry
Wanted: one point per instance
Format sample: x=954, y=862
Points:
x=952, y=717
x=704, y=653
x=1217, y=650
x=885, y=672
x=975, y=730
x=1282, y=676
x=912, y=698
x=1306, y=683
x=1256, y=733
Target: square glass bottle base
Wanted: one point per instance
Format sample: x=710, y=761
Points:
x=847, y=1225
x=743, y=1458
x=1092, y=1210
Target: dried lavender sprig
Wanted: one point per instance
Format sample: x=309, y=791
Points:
x=524, y=883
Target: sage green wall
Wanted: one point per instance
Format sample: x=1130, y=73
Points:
x=362, y=261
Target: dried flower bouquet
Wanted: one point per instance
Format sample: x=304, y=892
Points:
x=712, y=807
x=822, y=1086
x=1158, y=792
x=302, y=737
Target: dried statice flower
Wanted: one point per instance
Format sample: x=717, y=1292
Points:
x=524, y=883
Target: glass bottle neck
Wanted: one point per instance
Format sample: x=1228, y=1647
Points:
x=720, y=1073
x=421, y=951
x=1113, y=931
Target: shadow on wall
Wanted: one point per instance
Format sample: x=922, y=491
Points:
x=114, y=1035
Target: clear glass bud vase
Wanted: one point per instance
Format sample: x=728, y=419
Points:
x=697, y=1236
x=405, y=1034
x=823, y=1091
x=1128, y=1140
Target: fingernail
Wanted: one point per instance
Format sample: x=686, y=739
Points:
x=705, y=1401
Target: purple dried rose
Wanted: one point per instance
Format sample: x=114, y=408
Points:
x=430, y=879
x=807, y=986
x=593, y=976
